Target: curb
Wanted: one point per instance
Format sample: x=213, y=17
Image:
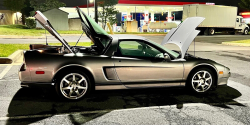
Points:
x=21, y=37
x=14, y=57
x=236, y=44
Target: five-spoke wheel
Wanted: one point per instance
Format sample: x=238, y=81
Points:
x=73, y=85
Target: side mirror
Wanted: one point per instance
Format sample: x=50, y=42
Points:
x=167, y=57
x=114, y=54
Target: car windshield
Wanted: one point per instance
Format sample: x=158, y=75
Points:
x=176, y=55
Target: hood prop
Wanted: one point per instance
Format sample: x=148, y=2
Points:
x=46, y=37
x=79, y=39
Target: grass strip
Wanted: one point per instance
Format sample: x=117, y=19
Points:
x=238, y=42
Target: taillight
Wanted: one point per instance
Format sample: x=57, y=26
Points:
x=40, y=72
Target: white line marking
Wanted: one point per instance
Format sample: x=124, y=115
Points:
x=14, y=64
x=3, y=80
x=50, y=115
x=5, y=71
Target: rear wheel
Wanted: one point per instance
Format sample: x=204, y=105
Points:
x=201, y=80
x=73, y=85
x=211, y=31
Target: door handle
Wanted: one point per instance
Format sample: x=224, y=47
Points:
x=120, y=60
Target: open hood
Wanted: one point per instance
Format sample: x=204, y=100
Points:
x=184, y=34
x=93, y=31
x=47, y=25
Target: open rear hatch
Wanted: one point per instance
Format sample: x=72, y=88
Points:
x=94, y=32
x=47, y=25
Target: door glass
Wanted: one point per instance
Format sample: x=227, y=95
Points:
x=137, y=49
x=237, y=19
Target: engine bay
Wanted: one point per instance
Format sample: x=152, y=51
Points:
x=61, y=49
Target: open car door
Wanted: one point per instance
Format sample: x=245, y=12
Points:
x=47, y=25
x=184, y=34
x=94, y=32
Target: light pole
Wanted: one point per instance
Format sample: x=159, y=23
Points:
x=96, y=11
x=88, y=6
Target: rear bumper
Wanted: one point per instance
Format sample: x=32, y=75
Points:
x=38, y=85
x=24, y=74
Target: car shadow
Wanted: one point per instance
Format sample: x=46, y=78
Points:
x=31, y=101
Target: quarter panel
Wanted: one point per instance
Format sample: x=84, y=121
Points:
x=53, y=63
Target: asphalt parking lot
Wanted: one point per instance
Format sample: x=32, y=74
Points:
x=226, y=105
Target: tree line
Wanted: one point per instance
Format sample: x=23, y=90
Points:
x=28, y=8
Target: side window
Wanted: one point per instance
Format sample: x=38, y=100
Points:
x=237, y=19
x=130, y=48
x=137, y=49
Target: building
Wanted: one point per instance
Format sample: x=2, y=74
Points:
x=144, y=11
x=58, y=18
x=8, y=17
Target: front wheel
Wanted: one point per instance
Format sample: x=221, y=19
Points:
x=201, y=80
x=245, y=31
x=73, y=85
x=211, y=31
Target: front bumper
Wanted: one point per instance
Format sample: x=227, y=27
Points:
x=223, y=79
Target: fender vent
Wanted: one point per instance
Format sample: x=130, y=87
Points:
x=110, y=73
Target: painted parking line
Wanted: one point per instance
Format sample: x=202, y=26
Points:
x=4, y=80
x=50, y=115
x=6, y=70
x=13, y=64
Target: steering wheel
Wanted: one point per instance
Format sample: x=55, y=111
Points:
x=146, y=53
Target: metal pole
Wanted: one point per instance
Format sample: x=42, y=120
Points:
x=96, y=11
x=135, y=13
x=174, y=16
x=88, y=6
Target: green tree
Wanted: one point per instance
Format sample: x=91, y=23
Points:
x=245, y=4
x=108, y=12
x=15, y=6
x=44, y=5
x=26, y=10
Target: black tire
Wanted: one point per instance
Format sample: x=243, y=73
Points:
x=233, y=32
x=206, y=31
x=245, y=31
x=71, y=86
x=193, y=77
x=211, y=31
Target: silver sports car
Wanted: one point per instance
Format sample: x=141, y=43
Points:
x=119, y=62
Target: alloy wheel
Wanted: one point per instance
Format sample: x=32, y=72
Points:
x=202, y=81
x=73, y=86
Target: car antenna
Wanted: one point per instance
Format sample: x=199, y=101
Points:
x=46, y=38
x=79, y=38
